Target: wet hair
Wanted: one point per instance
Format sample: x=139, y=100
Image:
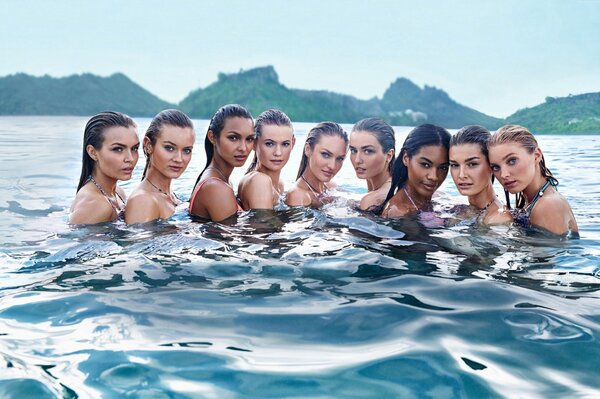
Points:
x=383, y=132
x=170, y=117
x=472, y=134
x=93, y=135
x=419, y=137
x=216, y=125
x=520, y=135
x=313, y=137
x=270, y=117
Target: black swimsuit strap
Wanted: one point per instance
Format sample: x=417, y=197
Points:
x=540, y=193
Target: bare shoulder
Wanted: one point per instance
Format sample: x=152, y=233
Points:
x=88, y=208
x=499, y=216
x=395, y=208
x=142, y=206
x=297, y=196
x=553, y=213
x=371, y=199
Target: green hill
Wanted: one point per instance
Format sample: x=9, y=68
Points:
x=259, y=89
x=85, y=94
x=405, y=99
x=403, y=103
x=572, y=114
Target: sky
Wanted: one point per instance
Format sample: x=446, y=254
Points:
x=494, y=56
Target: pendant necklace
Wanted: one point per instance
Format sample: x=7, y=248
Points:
x=173, y=201
x=312, y=189
x=113, y=202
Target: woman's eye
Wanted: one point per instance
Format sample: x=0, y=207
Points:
x=325, y=155
x=135, y=149
x=472, y=164
x=340, y=159
x=232, y=138
x=368, y=152
x=454, y=165
x=118, y=149
x=352, y=150
x=269, y=144
x=426, y=165
x=169, y=148
x=495, y=168
x=187, y=151
x=286, y=145
x=443, y=168
x=511, y=161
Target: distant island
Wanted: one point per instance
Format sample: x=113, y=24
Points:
x=403, y=103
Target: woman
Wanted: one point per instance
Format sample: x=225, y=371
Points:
x=472, y=174
x=518, y=163
x=110, y=152
x=168, y=145
x=228, y=142
x=418, y=172
x=372, y=147
x=324, y=153
x=261, y=187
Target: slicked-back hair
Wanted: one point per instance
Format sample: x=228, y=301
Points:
x=93, y=135
x=216, y=125
x=522, y=136
x=419, y=137
x=313, y=137
x=170, y=117
x=269, y=117
x=383, y=132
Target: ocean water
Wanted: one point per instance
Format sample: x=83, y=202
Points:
x=296, y=304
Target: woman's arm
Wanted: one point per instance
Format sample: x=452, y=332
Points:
x=218, y=199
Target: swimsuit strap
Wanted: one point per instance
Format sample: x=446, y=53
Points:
x=199, y=186
x=540, y=193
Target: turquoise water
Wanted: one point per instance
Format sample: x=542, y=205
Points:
x=299, y=304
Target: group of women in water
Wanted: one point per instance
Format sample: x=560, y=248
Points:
x=398, y=184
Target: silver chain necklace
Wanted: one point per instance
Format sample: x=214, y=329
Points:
x=226, y=180
x=160, y=190
x=113, y=202
x=312, y=189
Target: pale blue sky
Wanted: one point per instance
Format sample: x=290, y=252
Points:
x=496, y=56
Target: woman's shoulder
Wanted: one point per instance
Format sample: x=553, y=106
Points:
x=255, y=179
x=298, y=196
x=90, y=208
x=372, y=199
x=396, y=207
x=498, y=216
x=553, y=213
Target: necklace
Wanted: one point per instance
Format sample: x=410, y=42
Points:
x=112, y=201
x=410, y=199
x=485, y=208
x=312, y=189
x=173, y=201
x=226, y=180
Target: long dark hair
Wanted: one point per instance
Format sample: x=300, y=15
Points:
x=383, y=132
x=93, y=135
x=171, y=117
x=216, y=125
x=269, y=117
x=313, y=137
x=420, y=136
x=521, y=135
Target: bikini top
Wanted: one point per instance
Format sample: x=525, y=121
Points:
x=197, y=190
x=522, y=216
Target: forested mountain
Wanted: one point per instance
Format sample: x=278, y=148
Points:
x=84, y=94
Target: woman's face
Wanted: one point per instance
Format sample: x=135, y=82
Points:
x=119, y=152
x=513, y=165
x=427, y=169
x=274, y=146
x=469, y=168
x=172, y=151
x=235, y=141
x=367, y=155
x=327, y=157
